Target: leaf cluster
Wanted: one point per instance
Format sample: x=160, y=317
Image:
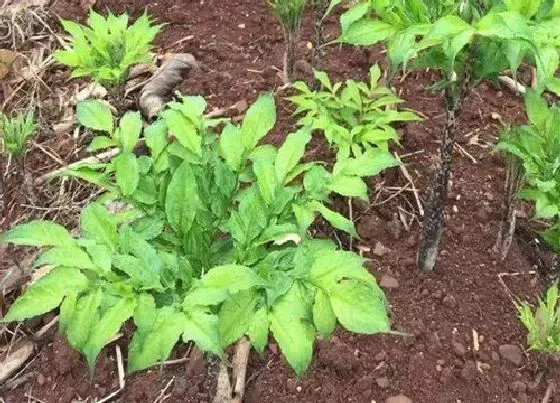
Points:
x=15, y=132
x=289, y=13
x=204, y=238
x=108, y=47
x=356, y=118
x=544, y=323
x=457, y=36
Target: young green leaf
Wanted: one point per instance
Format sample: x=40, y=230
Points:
x=128, y=133
x=38, y=233
x=258, y=329
x=98, y=224
x=290, y=323
x=201, y=326
x=182, y=200
x=83, y=319
x=259, y=120
x=69, y=256
x=95, y=115
x=359, y=307
x=184, y=130
x=236, y=315
x=47, y=293
x=291, y=153
x=323, y=315
x=232, y=148
x=351, y=186
x=337, y=220
x=127, y=172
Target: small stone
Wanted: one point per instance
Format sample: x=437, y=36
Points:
x=241, y=107
x=382, y=356
x=291, y=385
x=495, y=356
x=440, y=362
x=383, y=382
x=438, y=294
x=449, y=300
x=518, y=386
x=389, y=282
x=303, y=66
x=41, y=379
x=469, y=371
x=380, y=250
x=242, y=26
x=398, y=399
x=459, y=349
x=364, y=383
x=298, y=389
x=511, y=353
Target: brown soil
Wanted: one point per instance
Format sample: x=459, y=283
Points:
x=240, y=47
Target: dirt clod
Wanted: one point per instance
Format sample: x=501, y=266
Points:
x=382, y=382
x=511, y=353
x=398, y=399
x=389, y=282
x=449, y=301
x=518, y=386
x=459, y=349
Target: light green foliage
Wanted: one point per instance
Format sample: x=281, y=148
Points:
x=288, y=12
x=537, y=147
x=355, y=117
x=482, y=38
x=15, y=133
x=108, y=47
x=543, y=324
x=213, y=245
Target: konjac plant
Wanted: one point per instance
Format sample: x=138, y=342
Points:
x=468, y=42
x=107, y=48
x=205, y=239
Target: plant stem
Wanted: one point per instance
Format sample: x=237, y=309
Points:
x=435, y=209
x=514, y=182
x=319, y=10
x=4, y=188
x=290, y=55
x=239, y=373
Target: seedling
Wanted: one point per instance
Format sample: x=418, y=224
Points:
x=107, y=48
x=213, y=245
x=468, y=42
x=289, y=13
x=543, y=324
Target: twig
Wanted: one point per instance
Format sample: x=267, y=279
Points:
x=223, y=388
x=351, y=214
x=414, y=190
x=513, y=85
x=162, y=396
x=549, y=391
x=240, y=369
x=120, y=368
x=41, y=332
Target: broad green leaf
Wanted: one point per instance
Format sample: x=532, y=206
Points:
x=101, y=143
x=337, y=220
x=236, y=315
x=95, y=115
x=184, y=131
x=371, y=163
x=332, y=5
x=291, y=153
x=38, y=233
x=330, y=266
x=107, y=327
x=354, y=14
x=350, y=186
x=527, y=8
x=266, y=179
x=359, y=307
x=367, y=32
x=47, y=293
x=246, y=224
x=290, y=323
x=129, y=131
x=201, y=327
x=258, y=329
x=537, y=109
x=232, y=148
x=156, y=334
x=231, y=277
x=323, y=78
x=259, y=120
x=304, y=217
x=98, y=224
x=323, y=315
x=156, y=140
x=83, y=320
x=182, y=200
x=69, y=256
x=127, y=172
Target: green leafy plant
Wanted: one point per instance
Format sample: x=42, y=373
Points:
x=15, y=133
x=107, y=48
x=355, y=117
x=535, y=149
x=543, y=324
x=211, y=242
x=289, y=14
x=468, y=41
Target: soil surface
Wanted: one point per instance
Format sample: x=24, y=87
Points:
x=240, y=47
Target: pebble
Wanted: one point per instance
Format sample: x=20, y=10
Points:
x=380, y=249
x=364, y=383
x=438, y=294
x=383, y=382
x=398, y=399
x=389, y=282
x=41, y=379
x=382, y=356
x=518, y=386
x=459, y=349
x=450, y=301
x=303, y=66
x=511, y=353
x=241, y=107
x=495, y=356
